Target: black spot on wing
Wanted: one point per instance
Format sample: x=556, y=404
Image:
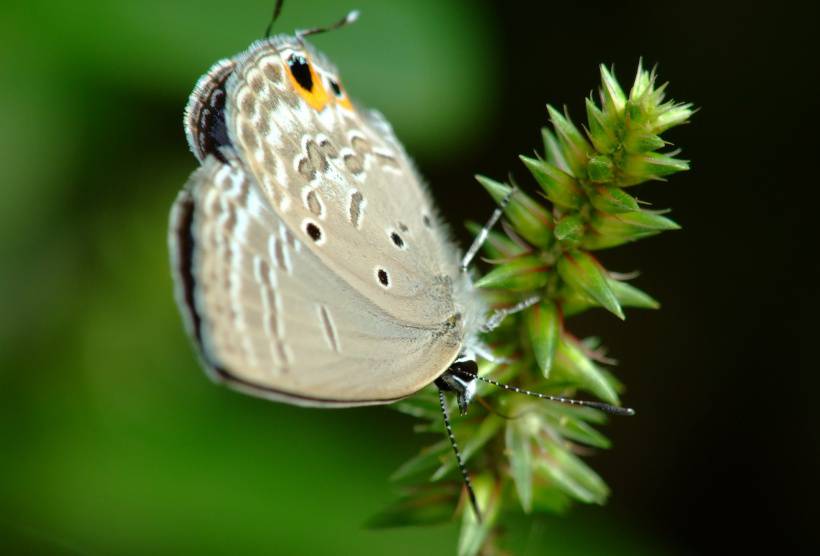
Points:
x=397, y=240
x=334, y=85
x=300, y=70
x=313, y=231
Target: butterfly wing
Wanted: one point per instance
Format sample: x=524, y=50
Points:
x=331, y=168
x=268, y=316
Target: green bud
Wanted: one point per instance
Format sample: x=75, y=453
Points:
x=609, y=230
x=570, y=228
x=544, y=325
x=647, y=110
x=638, y=113
x=574, y=146
x=644, y=99
x=530, y=219
x=641, y=167
x=519, y=453
x=570, y=473
x=641, y=142
x=575, y=302
x=582, y=272
x=570, y=360
x=522, y=274
x=630, y=296
x=595, y=241
x=671, y=116
x=560, y=187
x=600, y=169
x=612, y=200
x=552, y=150
x=612, y=95
x=644, y=81
x=601, y=129
x=570, y=423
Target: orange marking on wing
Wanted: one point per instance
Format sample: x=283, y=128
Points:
x=343, y=100
x=317, y=97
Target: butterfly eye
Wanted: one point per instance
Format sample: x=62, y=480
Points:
x=300, y=70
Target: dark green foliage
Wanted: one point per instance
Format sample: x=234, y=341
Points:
x=526, y=453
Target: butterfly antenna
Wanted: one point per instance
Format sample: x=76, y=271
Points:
x=611, y=409
x=464, y=474
x=485, y=231
x=346, y=20
x=277, y=11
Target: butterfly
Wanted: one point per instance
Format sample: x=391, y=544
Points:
x=309, y=261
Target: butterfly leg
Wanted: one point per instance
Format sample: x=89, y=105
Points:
x=485, y=231
x=498, y=316
x=482, y=350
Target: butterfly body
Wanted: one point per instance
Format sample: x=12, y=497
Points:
x=309, y=263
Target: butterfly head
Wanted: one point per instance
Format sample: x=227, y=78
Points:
x=460, y=379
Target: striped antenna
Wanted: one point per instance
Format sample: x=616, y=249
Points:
x=346, y=20
x=277, y=11
x=464, y=474
x=611, y=409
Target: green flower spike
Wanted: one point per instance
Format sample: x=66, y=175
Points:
x=525, y=451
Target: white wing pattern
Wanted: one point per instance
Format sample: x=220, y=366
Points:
x=269, y=317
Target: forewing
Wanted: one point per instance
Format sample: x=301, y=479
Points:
x=333, y=170
x=268, y=315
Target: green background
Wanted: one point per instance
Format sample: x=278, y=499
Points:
x=114, y=442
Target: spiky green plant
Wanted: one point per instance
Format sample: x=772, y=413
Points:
x=524, y=453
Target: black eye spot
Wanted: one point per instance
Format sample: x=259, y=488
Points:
x=300, y=70
x=334, y=85
x=397, y=240
x=426, y=220
x=383, y=277
x=313, y=231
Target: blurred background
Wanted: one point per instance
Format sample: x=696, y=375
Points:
x=114, y=442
